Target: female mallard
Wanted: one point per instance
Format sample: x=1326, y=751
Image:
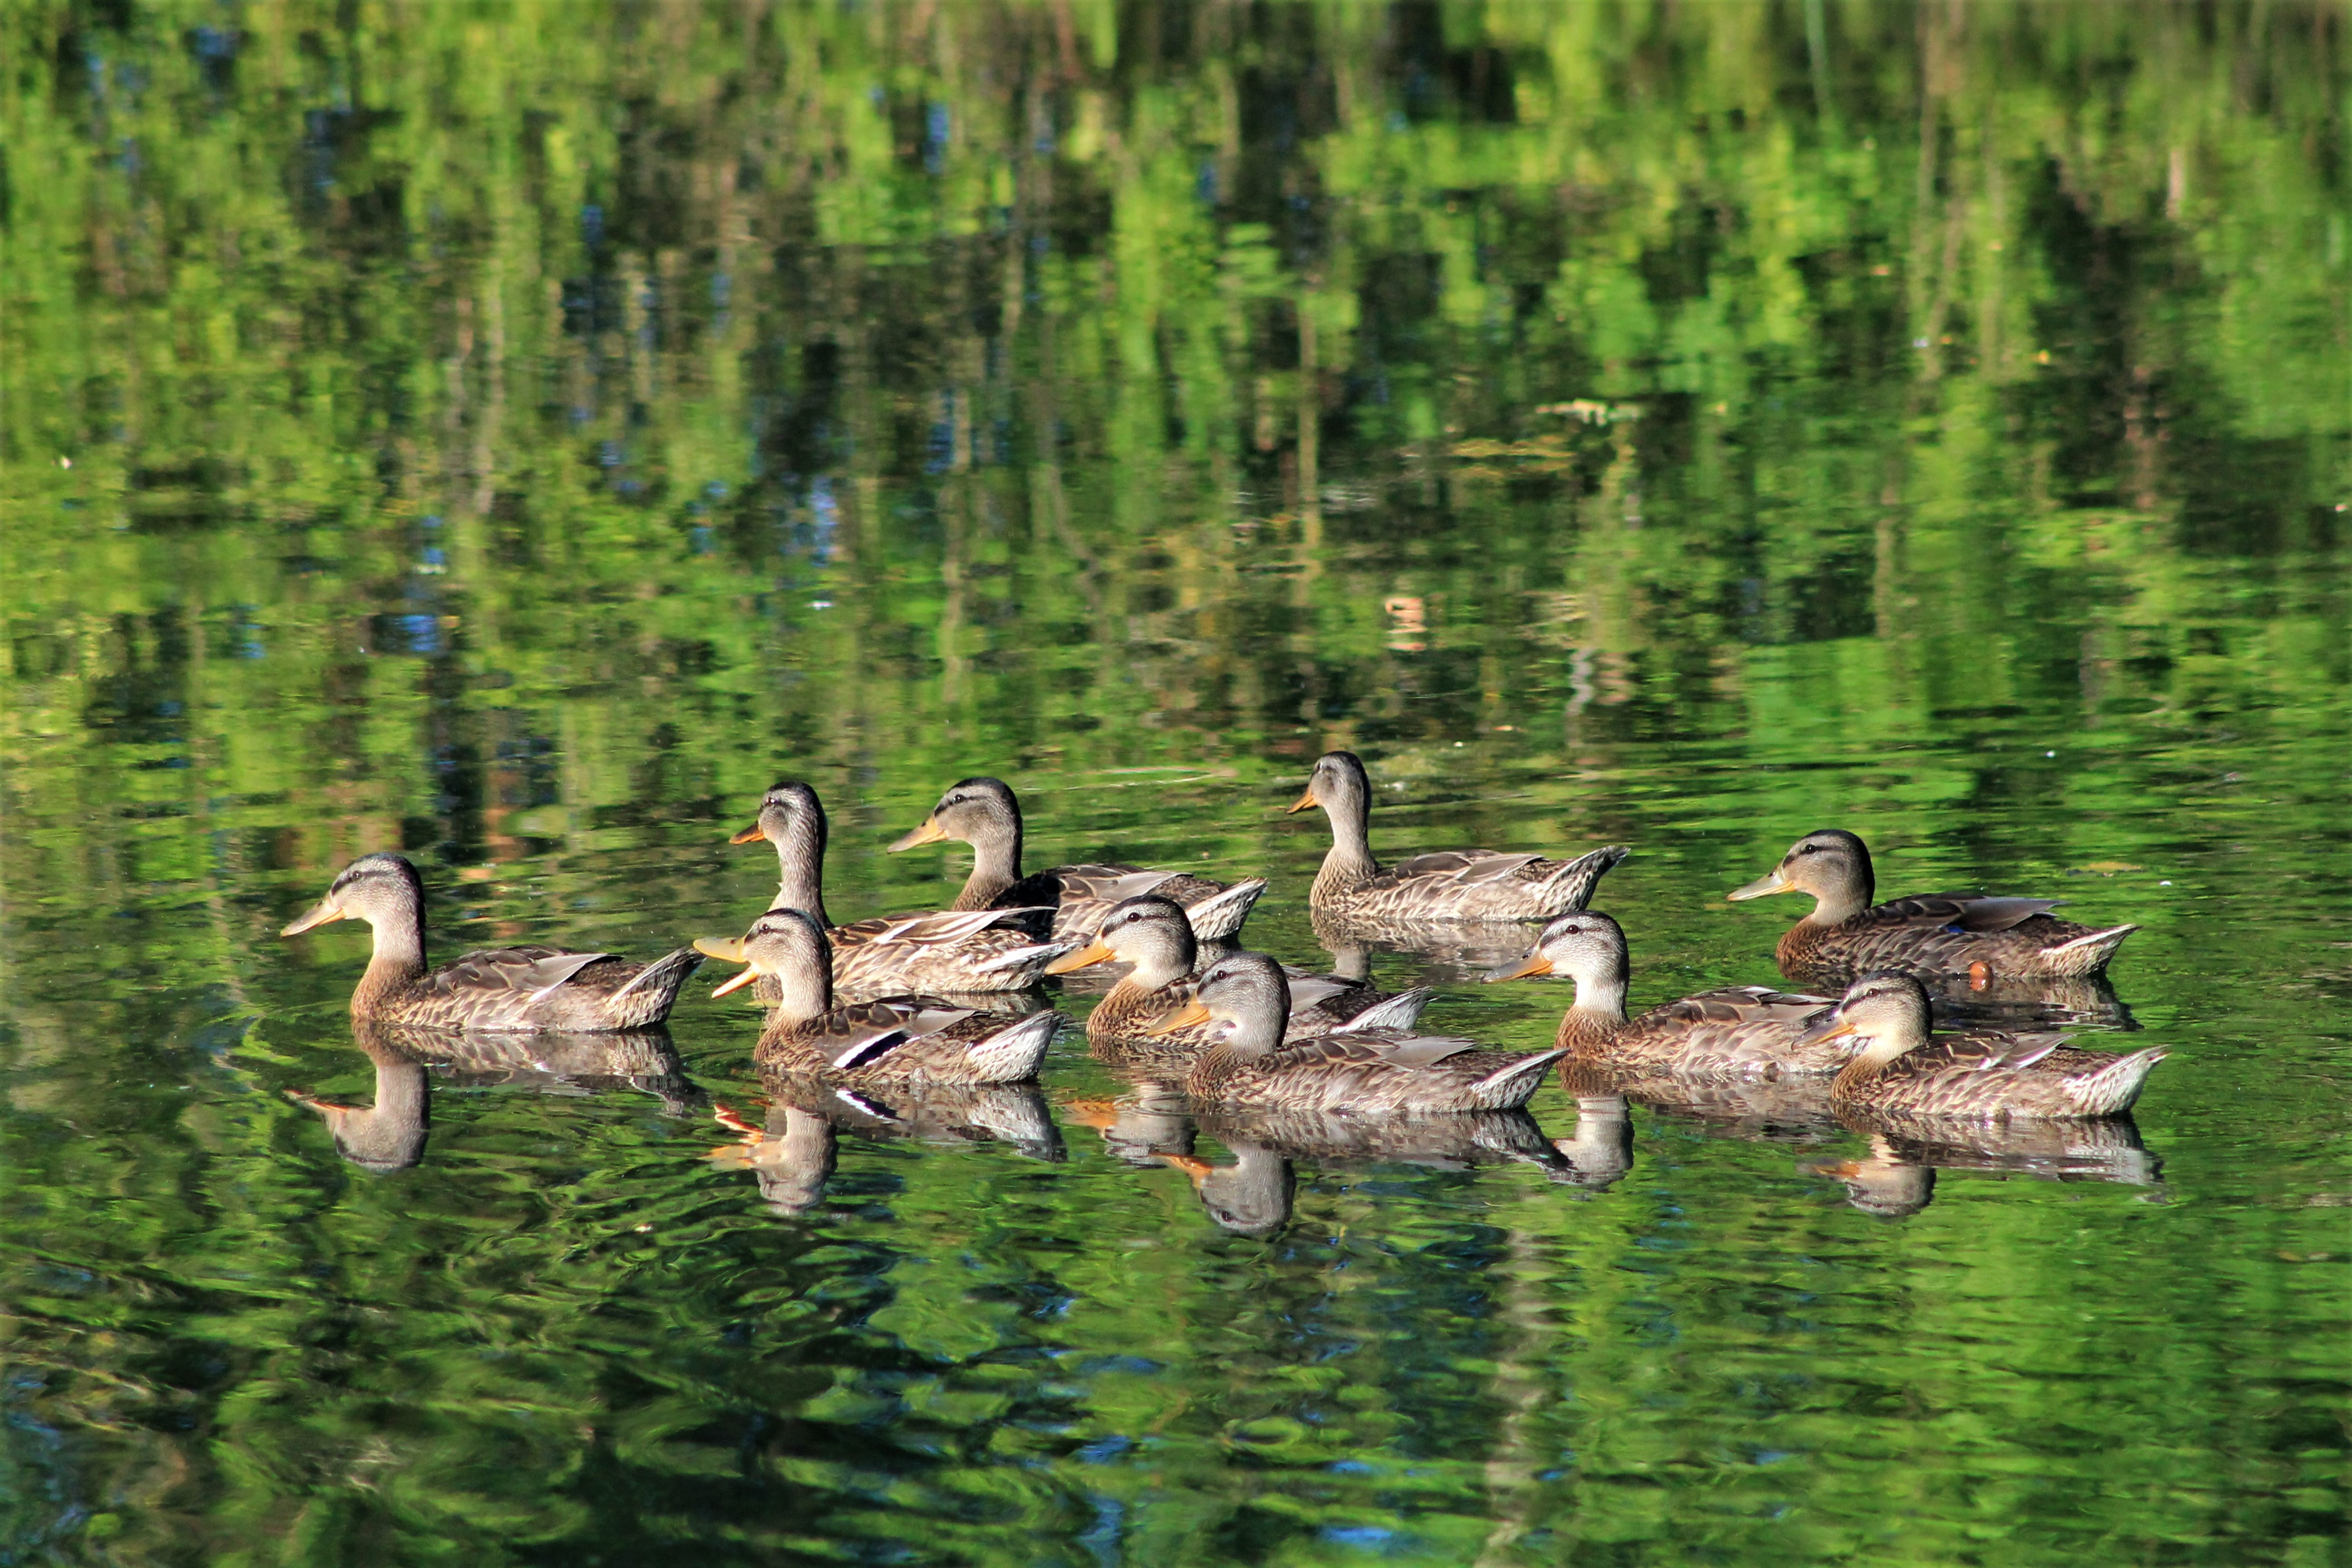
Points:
x=1152, y=934
x=1741, y=1031
x=900, y=1039
x=1951, y=933
x=500, y=989
x=1986, y=1075
x=982, y=813
x=1452, y=884
x=980, y=951
x=1383, y=1072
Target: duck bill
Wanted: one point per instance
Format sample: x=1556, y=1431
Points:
x=930, y=832
x=1184, y=1017
x=1304, y=803
x=1763, y=886
x=1533, y=965
x=1094, y=953
x=725, y=949
x=751, y=835
x=736, y=983
x=326, y=912
x=1829, y=1028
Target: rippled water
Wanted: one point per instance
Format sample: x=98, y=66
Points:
x=518, y=435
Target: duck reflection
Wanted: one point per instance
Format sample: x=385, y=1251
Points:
x=1252, y=1196
x=1451, y=951
x=390, y=1134
x=1896, y=1178
x=792, y=1156
x=2024, y=1005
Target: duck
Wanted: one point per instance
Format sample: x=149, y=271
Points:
x=496, y=990
x=1973, y=934
x=984, y=813
x=969, y=951
x=893, y=1041
x=1450, y=884
x=388, y=1135
x=1738, y=1031
x=1378, y=1072
x=1152, y=934
x=1983, y=1075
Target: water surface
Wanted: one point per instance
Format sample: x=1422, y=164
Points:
x=517, y=435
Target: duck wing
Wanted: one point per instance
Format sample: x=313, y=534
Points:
x=1736, y=1005
x=1975, y=914
x=1968, y=1055
x=1466, y=867
x=857, y=1037
x=936, y=928
x=1370, y=1047
x=530, y=971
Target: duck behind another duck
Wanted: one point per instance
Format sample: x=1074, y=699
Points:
x=1368, y=1072
x=1949, y=933
x=964, y=950
x=1151, y=934
x=897, y=1040
x=506, y=989
x=983, y=813
x=1451, y=884
x=1739, y=1031
x=1984, y=1076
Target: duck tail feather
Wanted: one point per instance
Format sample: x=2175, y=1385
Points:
x=1220, y=915
x=2088, y=955
x=1571, y=888
x=2110, y=1090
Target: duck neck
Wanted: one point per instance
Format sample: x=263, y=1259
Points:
x=1840, y=897
x=1253, y=1036
x=1161, y=957
x=398, y=959
x=995, y=863
x=1349, y=859
x=800, y=866
x=1872, y=1061
x=803, y=992
x=1598, y=1015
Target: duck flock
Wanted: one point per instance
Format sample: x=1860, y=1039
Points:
x=946, y=1003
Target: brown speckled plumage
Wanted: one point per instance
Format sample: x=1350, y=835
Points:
x=1368, y=1072
x=894, y=1040
x=1738, y=1031
x=958, y=951
x=1983, y=1075
x=1449, y=884
x=1151, y=934
x=1949, y=933
x=511, y=989
x=984, y=813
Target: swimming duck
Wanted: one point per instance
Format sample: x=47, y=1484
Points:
x=964, y=950
x=900, y=1039
x=1951, y=933
x=1451, y=884
x=982, y=813
x=1984, y=1075
x=1741, y=1031
x=499, y=989
x=1368, y=1072
x=1152, y=934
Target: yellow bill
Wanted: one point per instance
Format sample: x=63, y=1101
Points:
x=324, y=912
x=930, y=832
x=1770, y=882
x=726, y=949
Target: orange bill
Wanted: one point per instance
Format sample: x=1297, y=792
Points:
x=1094, y=953
x=736, y=983
x=1532, y=964
x=1184, y=1017
x=751, y=835
x=1305, y=801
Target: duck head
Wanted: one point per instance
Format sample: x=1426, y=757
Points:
x=1888, y=1012
x=972, y=811
x=1149, y=933
x=789, y=947
x=1246, y=995
x=1829, y=863
x=383, y=890
x=1586, y=946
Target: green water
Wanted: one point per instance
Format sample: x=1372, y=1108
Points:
x=518, y=434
